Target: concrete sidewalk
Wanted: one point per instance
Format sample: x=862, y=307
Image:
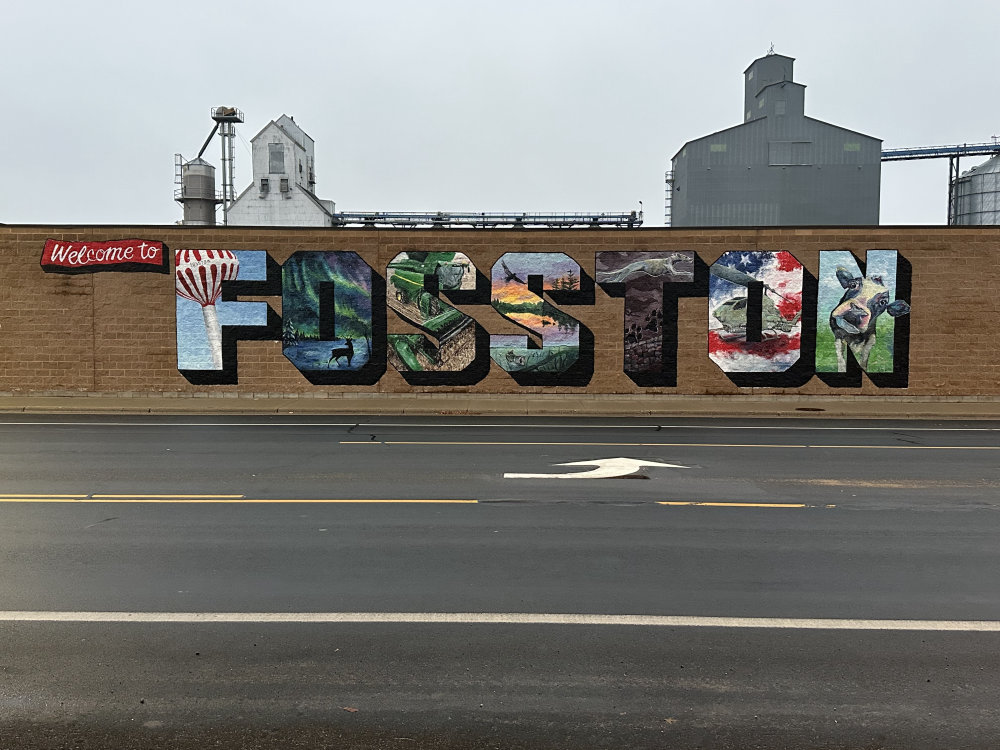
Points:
x=548, y=405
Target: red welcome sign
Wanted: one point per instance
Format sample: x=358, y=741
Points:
x=60, y=256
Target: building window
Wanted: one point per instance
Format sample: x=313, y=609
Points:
x=779, y=108
x=284, y=184
x=265, y=185
x=789, y=153
x=852, y=147
x=275, y=158
x=716, y=148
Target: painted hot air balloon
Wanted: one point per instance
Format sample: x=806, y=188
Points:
x=198, y=277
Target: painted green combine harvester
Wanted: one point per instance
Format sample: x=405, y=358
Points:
x=406, y=275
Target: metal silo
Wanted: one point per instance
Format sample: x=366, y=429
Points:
x=977, y=195
x=197, y=192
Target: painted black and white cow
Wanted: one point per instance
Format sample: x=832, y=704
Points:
x=853, y=319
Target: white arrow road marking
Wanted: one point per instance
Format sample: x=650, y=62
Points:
x=607, y=468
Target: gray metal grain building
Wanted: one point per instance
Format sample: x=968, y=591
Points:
x=778, y=168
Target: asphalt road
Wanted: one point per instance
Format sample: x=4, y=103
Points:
x=191, y=583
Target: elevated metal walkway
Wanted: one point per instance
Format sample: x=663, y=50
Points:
x=487, y=220
x=941, y=152
x=953, y=154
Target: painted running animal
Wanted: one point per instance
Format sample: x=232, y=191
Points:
x=648, y=267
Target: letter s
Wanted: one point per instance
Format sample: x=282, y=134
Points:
x=566, y=353
x=461, y=354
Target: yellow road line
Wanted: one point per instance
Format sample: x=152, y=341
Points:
x=200, y=497
x=80, y=495
x=44, y=499
x=421, y=501
x=680, y=445
x=178, y=499
x=740, y=505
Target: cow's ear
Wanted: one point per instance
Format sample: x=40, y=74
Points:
x=844, y=276
x=897, y=308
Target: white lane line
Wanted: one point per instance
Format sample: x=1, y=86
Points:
x=519, y=425
x=723, y=504
x=505, y=618
x=780, y=446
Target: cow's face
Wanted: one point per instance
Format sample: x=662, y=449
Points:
x=863, y=301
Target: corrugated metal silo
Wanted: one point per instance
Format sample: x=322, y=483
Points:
x=197, y=192
x=977, y=195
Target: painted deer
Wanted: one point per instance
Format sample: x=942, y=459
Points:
x=342, y=351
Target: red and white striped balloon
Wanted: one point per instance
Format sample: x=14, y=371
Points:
x=200, y=273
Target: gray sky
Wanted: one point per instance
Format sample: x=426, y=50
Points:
x=544, y=105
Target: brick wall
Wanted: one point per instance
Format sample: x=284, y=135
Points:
x=116, y=331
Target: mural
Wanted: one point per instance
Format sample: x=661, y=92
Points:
x=330, y=330
x=460, y=355
x=559, y=350
x=454, y=271
x=59, y=256
x=209, y=321
x=755, y=309
x=650, y=283
x=199, y=277
x=852, y=331
x=333, y=328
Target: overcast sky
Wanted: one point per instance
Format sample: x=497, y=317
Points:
x=520, y=105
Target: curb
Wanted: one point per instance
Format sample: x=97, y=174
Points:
x=548, y=405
